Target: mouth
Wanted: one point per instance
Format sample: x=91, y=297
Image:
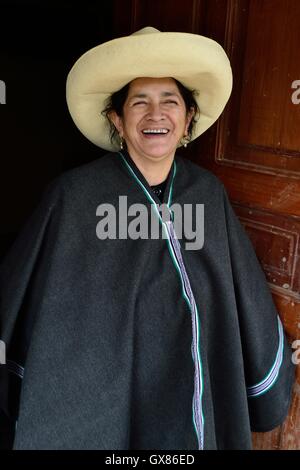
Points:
x=155, y=132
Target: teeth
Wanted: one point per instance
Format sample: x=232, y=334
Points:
x=155, y=131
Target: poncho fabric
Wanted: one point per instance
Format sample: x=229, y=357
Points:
x=138, y=343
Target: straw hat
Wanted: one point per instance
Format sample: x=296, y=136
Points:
x=198, y=62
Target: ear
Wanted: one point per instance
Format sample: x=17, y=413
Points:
x=117, y=122
x=189, y=117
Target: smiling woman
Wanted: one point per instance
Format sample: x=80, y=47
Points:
x=141, y=342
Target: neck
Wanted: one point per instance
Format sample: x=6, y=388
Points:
x=154, y=171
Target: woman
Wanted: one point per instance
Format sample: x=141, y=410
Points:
x=125, y=340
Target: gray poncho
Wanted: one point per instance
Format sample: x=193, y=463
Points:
x=138, y=343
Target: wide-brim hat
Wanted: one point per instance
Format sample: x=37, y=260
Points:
x=198, y=62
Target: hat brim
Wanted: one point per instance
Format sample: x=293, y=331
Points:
x=199, y=63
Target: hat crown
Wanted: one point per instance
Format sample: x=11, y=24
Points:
x=146, y=30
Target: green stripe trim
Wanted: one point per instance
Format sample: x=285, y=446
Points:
x=177, y=267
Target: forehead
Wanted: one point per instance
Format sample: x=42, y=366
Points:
x=148, y=85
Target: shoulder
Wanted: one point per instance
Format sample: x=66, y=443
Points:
x=89, y=172
x=85, y=177
x=198, y=177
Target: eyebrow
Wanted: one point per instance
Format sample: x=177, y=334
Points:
x=164, y=94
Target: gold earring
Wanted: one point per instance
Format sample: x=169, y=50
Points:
x=121, y=143
x=185, y=140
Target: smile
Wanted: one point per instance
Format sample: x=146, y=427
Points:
x=162, y=131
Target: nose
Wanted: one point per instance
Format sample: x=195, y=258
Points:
x=155, y=112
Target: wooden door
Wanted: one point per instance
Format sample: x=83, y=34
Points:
x=255, y=147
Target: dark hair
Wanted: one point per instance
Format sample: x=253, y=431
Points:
x=116, y=101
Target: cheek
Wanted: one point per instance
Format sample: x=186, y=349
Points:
x=130, y=124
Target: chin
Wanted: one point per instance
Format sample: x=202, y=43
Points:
x=158, y=156
x=160, y=153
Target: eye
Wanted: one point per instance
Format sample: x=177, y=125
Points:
x=171, y=102
x=139, y=103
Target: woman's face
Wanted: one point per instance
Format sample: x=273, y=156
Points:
x=154, y=118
